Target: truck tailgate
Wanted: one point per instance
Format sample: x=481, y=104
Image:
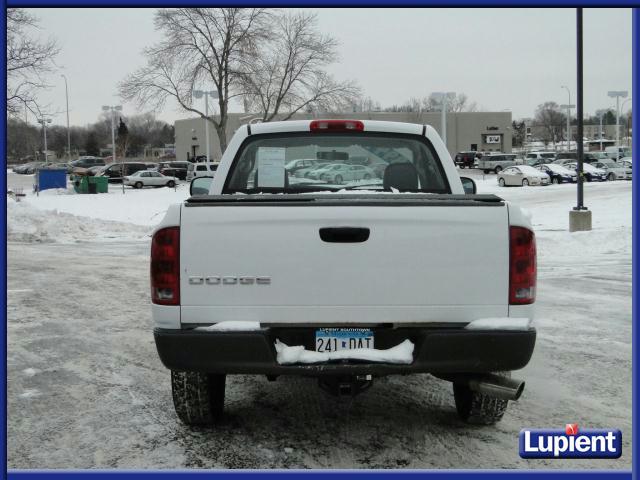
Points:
x=420, y=264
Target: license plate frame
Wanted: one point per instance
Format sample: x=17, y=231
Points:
x=343, y=338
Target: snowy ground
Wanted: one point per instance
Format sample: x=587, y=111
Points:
x=87, y=390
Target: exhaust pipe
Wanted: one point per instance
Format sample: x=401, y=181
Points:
x=496, y=386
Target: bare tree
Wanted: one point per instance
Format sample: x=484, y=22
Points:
x=460, y=103
x=286, y=75
x=552, y=120
x=201, y=46
x=28, y=62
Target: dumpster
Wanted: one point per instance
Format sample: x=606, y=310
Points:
x=50, y=178
x=86, y=184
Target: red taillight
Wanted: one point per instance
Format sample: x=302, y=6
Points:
x=165, y=266
x=336, y=125
x=522, y=266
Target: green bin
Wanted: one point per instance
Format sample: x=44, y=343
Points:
x=86, y=184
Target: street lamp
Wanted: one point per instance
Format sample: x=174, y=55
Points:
x=601, y=113
x=198, y=94
x=113, y=110
x=66, y=91
x=617, y=94
x=621, y=111
x=43, y=121
x=443, y=97
x=568, y=106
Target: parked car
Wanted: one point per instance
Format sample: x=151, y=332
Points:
x=522, y=176
x=294, y=166
x=342, y=172
x=200, y=170
x=465, y=159
x=95, y=170
x=346, y=288
x=149, y=178
x=617, y=153
x=591, y=173
x=544, y=157
x=87, y=162
x=28, y=168
x=558, y=173
x=614, y=170
x=115, y=171
x=495, y=162
x=626, y=162
x=178, y=169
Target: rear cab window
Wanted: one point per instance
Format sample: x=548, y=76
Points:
x=409, y=161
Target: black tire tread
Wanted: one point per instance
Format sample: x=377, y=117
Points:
x=478, y=408
x=198, y=398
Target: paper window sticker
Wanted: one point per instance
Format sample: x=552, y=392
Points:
x=271, y=167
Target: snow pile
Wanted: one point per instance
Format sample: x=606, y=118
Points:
x=287, y=355
x=146, y=206
x=231, y=326
x=31, y=225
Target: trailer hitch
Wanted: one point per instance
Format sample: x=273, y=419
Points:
x=343, y=386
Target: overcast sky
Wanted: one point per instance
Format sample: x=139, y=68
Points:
x=503, y=59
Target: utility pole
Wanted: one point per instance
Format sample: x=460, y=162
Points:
x=113, y=110
x=66, y=90
x=568, y=106
x=214, y=94
x=444, y=96
x=617, y=94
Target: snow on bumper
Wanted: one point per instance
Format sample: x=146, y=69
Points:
x=401, y=354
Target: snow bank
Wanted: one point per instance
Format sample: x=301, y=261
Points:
x=146, y=206
x=287, y=355
x=31, y=225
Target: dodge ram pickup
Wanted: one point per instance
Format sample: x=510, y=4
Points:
x=344, y=279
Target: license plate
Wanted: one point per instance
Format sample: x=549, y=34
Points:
x=335, y=339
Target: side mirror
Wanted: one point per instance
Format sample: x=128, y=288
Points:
x=468, y=185
x=200, y=186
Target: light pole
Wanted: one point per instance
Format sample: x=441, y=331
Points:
x=601, y=113
x=444, y=96
x=113, y=110
x=66, y=91
x=43, y=121
x=617, y=94
x=568, y=106
x=214, y=94
x=621, y=111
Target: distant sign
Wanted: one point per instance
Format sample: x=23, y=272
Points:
x=492, y=139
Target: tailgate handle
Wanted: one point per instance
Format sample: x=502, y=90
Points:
x=344, y=234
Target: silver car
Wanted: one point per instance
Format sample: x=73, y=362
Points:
x=522, y=176
x=149, y=178
x=342, y=172
x=614, y=170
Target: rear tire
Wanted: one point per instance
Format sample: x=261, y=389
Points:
x=497, y=170
x=171, y=184
x=525, y=183
x=338, y=179
x=478, y=408
x=198, y=397
x=138, y=185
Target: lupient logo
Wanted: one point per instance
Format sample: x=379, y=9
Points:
x=572, y=442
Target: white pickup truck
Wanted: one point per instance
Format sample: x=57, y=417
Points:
x=259, y=272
